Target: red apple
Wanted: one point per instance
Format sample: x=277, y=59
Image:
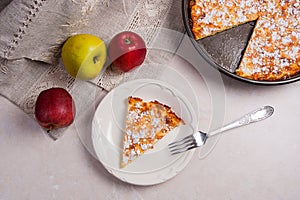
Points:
x=54, y=108
x=126, y=51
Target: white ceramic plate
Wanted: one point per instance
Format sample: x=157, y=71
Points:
x=156, y=165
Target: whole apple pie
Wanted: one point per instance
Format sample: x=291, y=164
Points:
x=273, y=51
x=146, y=124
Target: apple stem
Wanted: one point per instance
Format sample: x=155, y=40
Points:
x=50, y=129
x=127, y=41
x=49, y=133
x=96, y=59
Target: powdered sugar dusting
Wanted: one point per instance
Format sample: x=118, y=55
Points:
x=273, y=50
x=146, y=123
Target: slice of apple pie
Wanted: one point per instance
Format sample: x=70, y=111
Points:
x=146, y=123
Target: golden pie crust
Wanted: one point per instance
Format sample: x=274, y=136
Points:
x=273, y=51
x=146, y=124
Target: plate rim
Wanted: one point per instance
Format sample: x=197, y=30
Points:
x=186, y=157
x=201, y=51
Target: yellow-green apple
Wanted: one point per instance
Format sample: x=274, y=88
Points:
x=54, y=108
x=126, y=51
x=83, y=56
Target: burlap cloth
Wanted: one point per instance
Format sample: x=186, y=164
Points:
x=33, y=31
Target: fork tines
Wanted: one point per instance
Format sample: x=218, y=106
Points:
x=189, y=142
x=182, y=145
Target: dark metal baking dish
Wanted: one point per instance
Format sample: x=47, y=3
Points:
x=225, y=49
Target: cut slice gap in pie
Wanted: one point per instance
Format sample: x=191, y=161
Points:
x=146, y=124
x=273, y=51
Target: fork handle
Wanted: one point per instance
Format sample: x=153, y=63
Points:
x=254, y=116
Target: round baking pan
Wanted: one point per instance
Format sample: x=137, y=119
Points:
x=225, y=49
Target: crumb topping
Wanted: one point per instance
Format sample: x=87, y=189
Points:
x=273, y=51
x=146, y=123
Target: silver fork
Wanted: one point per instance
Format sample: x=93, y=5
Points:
x=199, y=138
